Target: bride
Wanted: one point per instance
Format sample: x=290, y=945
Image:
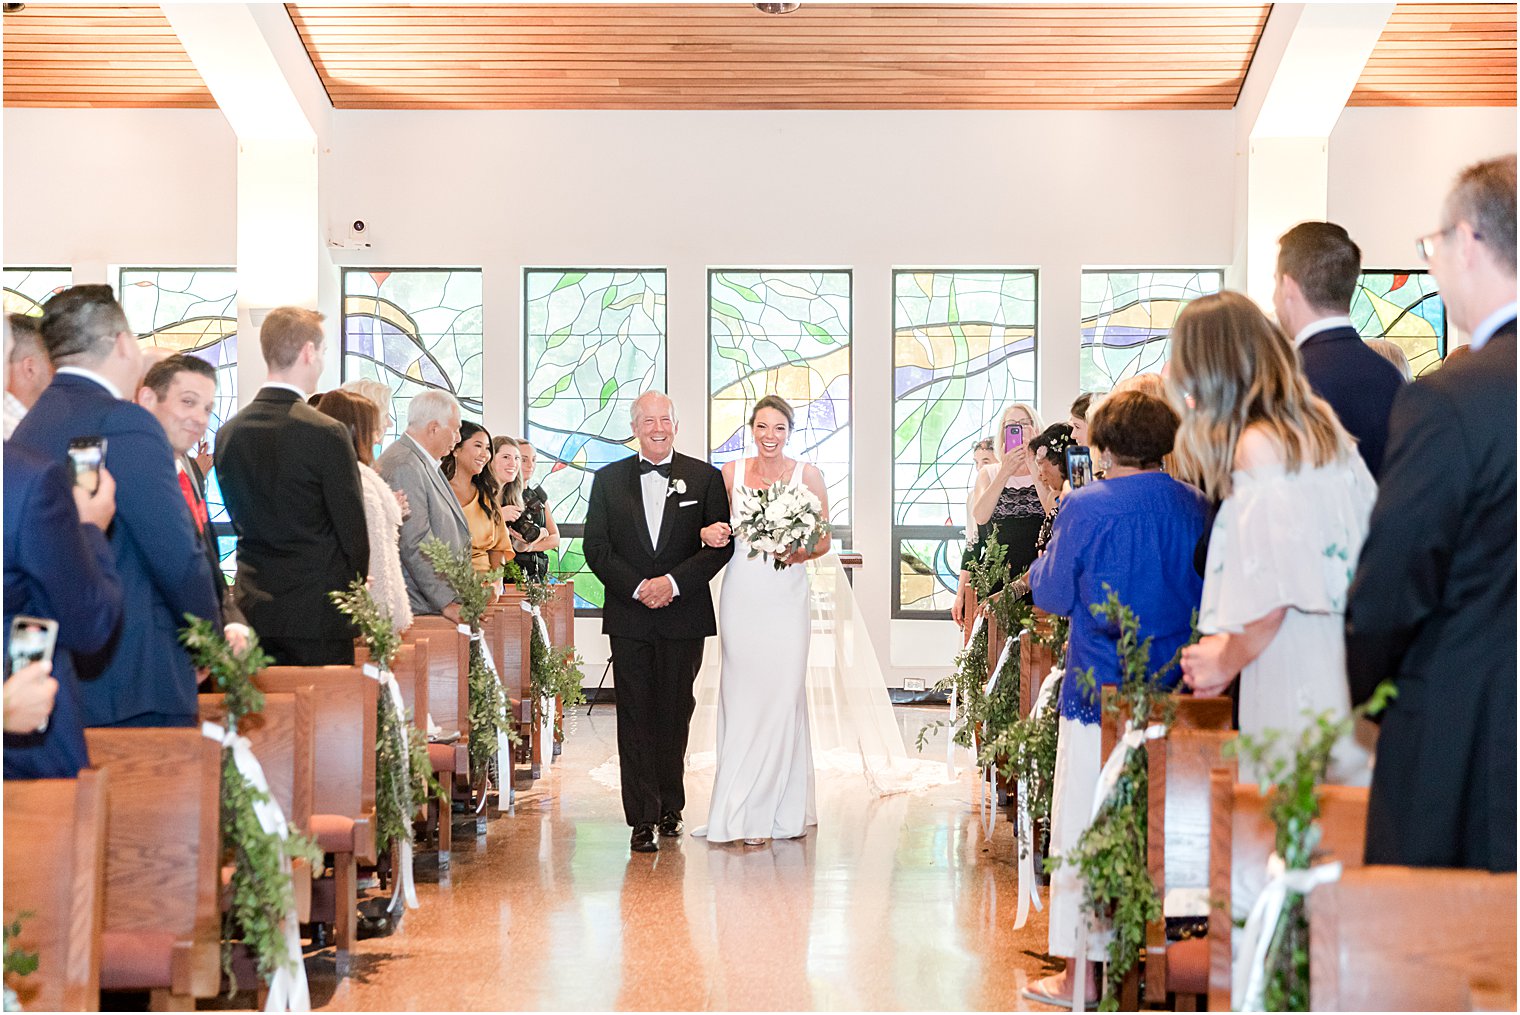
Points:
x=763, y=787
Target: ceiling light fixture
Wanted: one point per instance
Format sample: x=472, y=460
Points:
x=777, y=8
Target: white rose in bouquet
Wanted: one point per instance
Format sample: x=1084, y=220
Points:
x=780, y=520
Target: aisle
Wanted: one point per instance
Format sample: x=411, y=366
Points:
x=893, y=904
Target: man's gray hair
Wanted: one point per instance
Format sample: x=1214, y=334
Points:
x=432, y=406
x=633, y=410
x=1484, y=197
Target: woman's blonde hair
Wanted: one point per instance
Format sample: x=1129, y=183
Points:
x=1012, y=407
x=511, y=493
x=1240, y=370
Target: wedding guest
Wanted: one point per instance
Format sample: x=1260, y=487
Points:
x=1008, y=501
x=1456, y=355
x=380, y=394
x=473, y=484
x=28, y=371
x=142, y=676
x=1393, y=353
x=532, y=555
x=1295, y=499
x=1134, y=533
x=1049, y=450
x=506, y=466
x=1317, y=271
x=291, y=483
x=982, y=455
x=382, y=507
x=411, y=465
x=1078, y=418
x=180, y=392
x=1433, y=604
x=58, y=566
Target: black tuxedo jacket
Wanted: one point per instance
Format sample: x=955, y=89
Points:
x=1358, y=383
x=619, y=552
x=1433, y=609
x=230, y=613
x=291, y=483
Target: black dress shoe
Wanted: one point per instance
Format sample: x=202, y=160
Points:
x=375, y=926
x=670, y=824
x=643, y=839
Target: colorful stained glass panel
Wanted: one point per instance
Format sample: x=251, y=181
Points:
x=594, y=340
x=1127, y=318
x=413, y=329
x=1405, y=308
x=783, y=333
x=963, y=349
x=928, y=572
x=27, y=289
x=191, y=311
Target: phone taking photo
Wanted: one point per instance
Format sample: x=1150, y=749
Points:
x=1013, y=436
x=32, y=640
x=1079, y=466
x=87, y=455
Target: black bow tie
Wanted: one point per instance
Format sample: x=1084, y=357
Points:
x=646, y=467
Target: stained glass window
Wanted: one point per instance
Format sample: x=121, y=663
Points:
x=414, y=329
x=27, y=289
x=963, y=349
x=785, y=333
x=193, y=311
x=1405, y=308
x=1127, y=318
x=594, y=340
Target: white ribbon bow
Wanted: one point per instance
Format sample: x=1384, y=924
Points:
x=406, y=887
x=954, y=704
x=1108, y=778
x=504, y=787
x=1028, y=889
x=287, y=987
x=1249, y=979
x=538, y=621
x=987, y=797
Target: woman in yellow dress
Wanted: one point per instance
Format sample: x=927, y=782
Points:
x=474, y=484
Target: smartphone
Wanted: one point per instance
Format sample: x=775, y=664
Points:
x=32, y=640
x=1013, y=436
x=1079, y=466
x=87, y=455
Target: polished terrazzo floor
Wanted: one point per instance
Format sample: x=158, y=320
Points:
x=901, y=903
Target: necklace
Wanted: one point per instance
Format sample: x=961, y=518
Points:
x=767, y=480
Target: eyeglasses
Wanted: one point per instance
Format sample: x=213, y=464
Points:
x=1425, y=245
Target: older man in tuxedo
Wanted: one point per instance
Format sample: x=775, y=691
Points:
x=643, y=540
x=1317, y=271
x=290, y=479
x=142, y=676
x=1433, y=604
x=410, y=465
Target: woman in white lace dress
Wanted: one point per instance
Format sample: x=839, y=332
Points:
x=1295, y=502
x=383, y=507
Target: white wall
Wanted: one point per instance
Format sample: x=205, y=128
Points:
x=689, y=190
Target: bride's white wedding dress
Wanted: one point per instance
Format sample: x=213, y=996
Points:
x=763, y=787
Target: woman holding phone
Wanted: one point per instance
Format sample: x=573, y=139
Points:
x=1009, y=500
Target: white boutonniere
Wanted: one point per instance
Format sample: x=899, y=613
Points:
x=676, y=486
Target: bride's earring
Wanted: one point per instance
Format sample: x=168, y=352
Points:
x=1107, y=462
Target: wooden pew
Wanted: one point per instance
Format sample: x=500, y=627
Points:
x=283, y=738
x=55, y=869
x=410, y=667
x=1411, y=939
x=510, y=630
x=448, y=694
x=162, y=929
x=1177, y=850
x=1242, y=836
x=343, y=798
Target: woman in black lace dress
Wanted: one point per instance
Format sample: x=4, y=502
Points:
x=1006, y=501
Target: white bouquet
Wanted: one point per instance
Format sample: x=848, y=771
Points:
x=779, y=520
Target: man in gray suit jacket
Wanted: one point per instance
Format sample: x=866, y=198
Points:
x=411, y=466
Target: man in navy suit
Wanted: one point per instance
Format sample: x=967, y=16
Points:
x=1317, y=271
x=1433, y=604
x=143, y=676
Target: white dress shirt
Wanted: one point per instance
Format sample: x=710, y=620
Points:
x=656, y=491
x=1308, y=331
x=1492, y=323
x=91, y=375
x=282, y=386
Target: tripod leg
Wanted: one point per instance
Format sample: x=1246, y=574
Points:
x=599, y=685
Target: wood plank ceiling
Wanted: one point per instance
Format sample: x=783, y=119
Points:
x=731, y=56
x=1442, y=55
x=98, y=55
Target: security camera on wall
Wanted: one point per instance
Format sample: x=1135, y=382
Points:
x=355, y=235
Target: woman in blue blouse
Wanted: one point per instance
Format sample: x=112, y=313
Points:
x=1135, y=531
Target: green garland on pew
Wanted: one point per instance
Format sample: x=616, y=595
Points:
x=553, y=673
x=403, y=771
x=1111, y=854
x=1291, y=774
x=968, y=679
x=261, y=891
x=488, y=705
x=17, y=962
